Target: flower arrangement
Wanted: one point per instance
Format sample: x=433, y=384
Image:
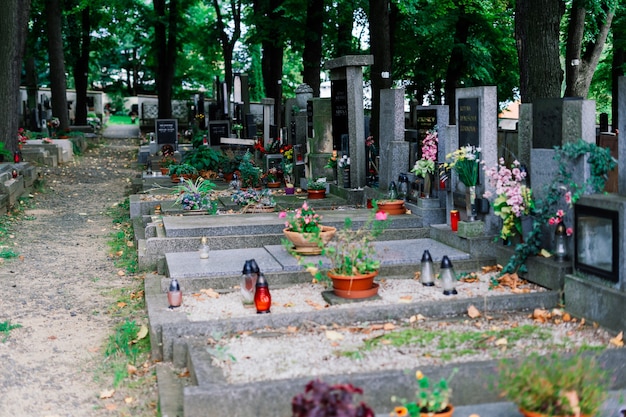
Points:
x=271, y=175
x=46, y=140
x=429, y=398
x=322, y=399
x=465, y=161
x=22, y=136
x=253, y=197
x=352, y=252
x=426, y=164
x=513, y=198
x=302, y=220
x=196, y=195
x=250, y=173
x=558, y=218
x=316, y=183
x=344, y=162
x=553, y=385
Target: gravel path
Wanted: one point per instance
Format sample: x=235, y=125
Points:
x=59, y=288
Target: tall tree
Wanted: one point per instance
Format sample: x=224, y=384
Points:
x=537, y=29
x=457, y=64
x=618, y=64
x=312, y=53
x=56, y=58
x=582, y=54
x=166, y=46
x=232, y=21
x=80, y=47
x=13, y=20
x=380, y=46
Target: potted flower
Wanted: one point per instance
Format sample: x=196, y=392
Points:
x=425, y=166
x=254, y=201
x=271, y=178
x=183, y=170
x=287, y=165
x=167, y=158
x=431, y=399
x=465, y=161
x=352, y=257
x=301, y=226
x=553, y=385
x=196, y=195
x=321, y=399
x=513, y=199
x=316, y=188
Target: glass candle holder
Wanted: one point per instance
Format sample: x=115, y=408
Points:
x=262, y=296
x=204, y=248
x=427, y=274
x=448, y=277
x=174, y=294
x=248, y=283
x=454, y=220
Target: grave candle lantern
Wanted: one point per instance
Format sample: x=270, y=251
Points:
x=560, y=242
x=262, y=296
x=454, y=220
x=426, y=277
x=448, y=277
x=248, y=282
x=14, y=173
x=204, y=248
x=174, y=294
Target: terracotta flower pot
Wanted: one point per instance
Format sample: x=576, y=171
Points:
x=305, y=247
x=316, y=194
x=275, y=184
x=445, y=413
x=527, y=413
x=392, y=207
x=354, y=286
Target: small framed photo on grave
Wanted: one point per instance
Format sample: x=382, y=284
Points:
x=596, y=243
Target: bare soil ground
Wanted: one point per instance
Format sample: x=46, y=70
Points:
x=60, y=290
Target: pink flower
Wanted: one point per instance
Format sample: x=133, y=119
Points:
x=552, y=221
x=569, y=231
x=568, y=197
x=305, y=206
x=282, y=214
x=560, y=213
x=381, y=215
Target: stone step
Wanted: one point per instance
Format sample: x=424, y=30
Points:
x=274, y=259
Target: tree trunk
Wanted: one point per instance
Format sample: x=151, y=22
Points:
x=580, y=64
x=345, y=20
x=380, y=46
x=537, y=36
x=58, y=86
x=228, y=43
x=165, y=33
x=312, y=54
x=81, y=67
x=13, y=20
x=458, y=63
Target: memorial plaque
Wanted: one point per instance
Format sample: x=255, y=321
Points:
x=339, y=108
x=547, y=123
x=166, y=130
x=468, y=122
x=218, y=129
x=425, y=120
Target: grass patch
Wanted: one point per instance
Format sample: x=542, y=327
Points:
x=447, y=344
x=5, y=329
x=127, y=367
x=121, y=119
x=121, y=243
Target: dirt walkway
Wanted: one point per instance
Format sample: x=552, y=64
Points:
x=60, y=288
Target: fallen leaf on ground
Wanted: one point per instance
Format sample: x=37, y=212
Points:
x=389, y=326
x=618, y=340
x=314, y=304
x=333, y=335
x=544, y=253
x=184, y=373
x=121, y=304
x=111, y=407
x=501, y=342
x=473, y=312
x=129, y=400
x=107, y=394
x=292, y=329
x=132, y=370
x=210, y=293
x=406, y=298
x=121, y=273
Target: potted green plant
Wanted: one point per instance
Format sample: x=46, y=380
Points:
x=229, y=163
x=352, y=257
x=271, y=178
x=320, y=399
x=254, y=201
x=203, y=158
x=554, y=385
x=316, y=188
x=182, y=170
x=196, y=195
x=431, y=399
x=250, y=173
x=301, y=225
x=425, y=166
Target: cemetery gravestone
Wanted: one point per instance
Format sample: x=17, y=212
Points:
x=166, y=131
x=218, y=129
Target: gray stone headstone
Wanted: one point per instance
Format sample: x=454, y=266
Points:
x=394, y=158
x=621, y=144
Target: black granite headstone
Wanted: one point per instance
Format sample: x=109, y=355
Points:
x=218, y=129
x=426, y=120
x=547, y=123
x=166, y=130
x=339, y=108
x=469, y=131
